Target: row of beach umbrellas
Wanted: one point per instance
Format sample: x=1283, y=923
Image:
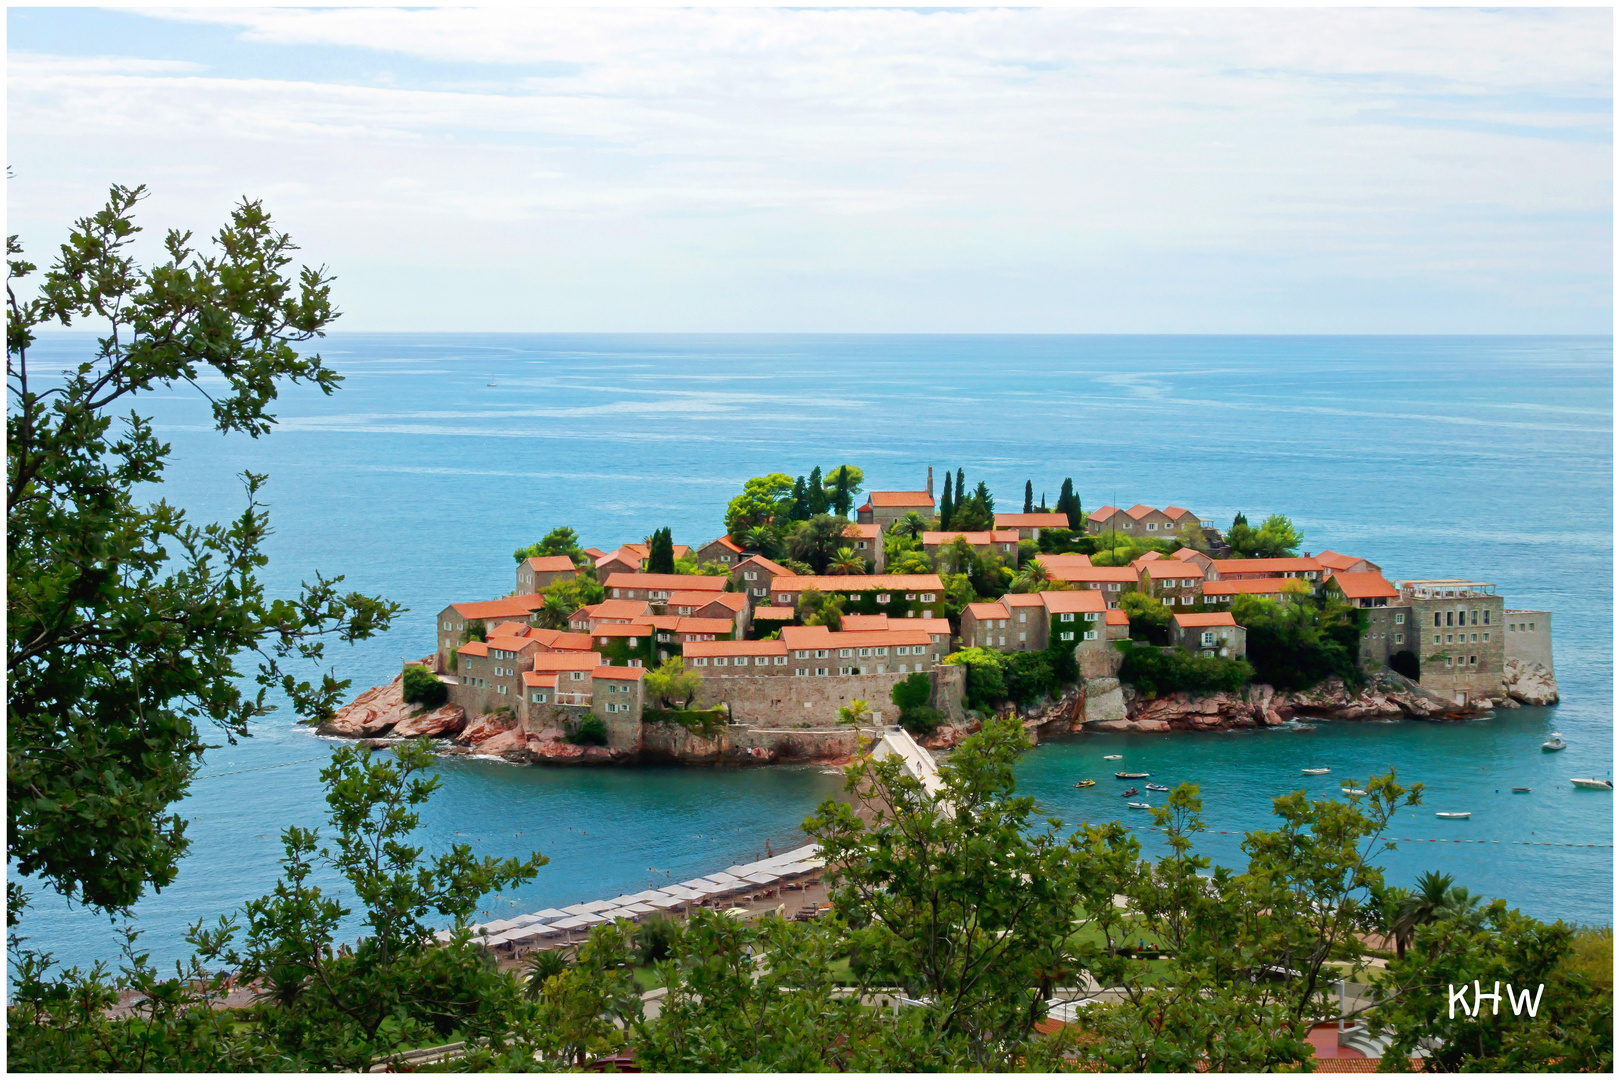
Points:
x=552, y=922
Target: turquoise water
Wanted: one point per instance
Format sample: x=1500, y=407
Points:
x=1489, y=458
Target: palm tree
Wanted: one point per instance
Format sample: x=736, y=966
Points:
x=1437, y=897
x=1031, y=578
x=763, y=539
x=554, y=615
x=542, y=965
x=912, y=525
x=817, y=540
x=846, y=562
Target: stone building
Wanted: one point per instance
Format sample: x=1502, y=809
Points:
x=884, y=508
x=1529, y=636
x=457, y=619
x=1171, y=581
x=1209, y=633
x=1029, y=526
x=1460, y=633
x=538, y=571
x=656, y=588
x=907, y=596
x=867, y=542
x=723, y=551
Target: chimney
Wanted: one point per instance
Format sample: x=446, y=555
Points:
x=930, y=481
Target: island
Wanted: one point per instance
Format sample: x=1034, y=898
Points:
x=781, y=639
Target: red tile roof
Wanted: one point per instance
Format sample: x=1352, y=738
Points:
x=1187, y=554
x=860, y=583
x=984, y=611
x=898, y=498
x=1147, y=557
x=1362, y=586
x=930, y=627
x=785, y=614
x=1102, y=513
x=537, y=678
x=1206, y=618
x=625, y=630
x=595, y=553
x=982, y=538
x=566, y=661
x=868, y=638
x=689, y=598
x=1074, y=600
x=548, y=564
x=1088, y=574
x=856, y=531
x=1170, y=569
x=511, y=644
x=689, y=625
x=473, y=648
x=1334, y=561
x=727, y=541
x=1179, y=512
x=1018, y=599
x=771, y=568
x=619, y=609
x=635, y=674
x=670, y=582
x=1070, y=558
x=1262, y=586
x=511, y=629
x=734, y=648
x=1276, y=566
x=865, y=622
x=507, y=607
x=567, y=642
x=1117, y=617
x=1053, y=520
x=1141, y=510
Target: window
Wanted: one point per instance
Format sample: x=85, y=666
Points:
x=1067, y=616
x=1208, y=637
x=1437, y=639
x=749, y=575
x=781, y=661
x=1187, y=582
x=799, y=671
x=702, y=661
x=845, y=652
x=1448, y=639
x=761, y=661
x=927, y=598
x=538, y=699
x=884, y=651
x=821, y=654
x=1437, y=618
x=1400, y=639
x=1152, y=526
x=1487, y=616
x=866, y=652
x=1448, y=661
x=1113, y=586
x=1473, y=617
x=783, y=598
x=1067, y=635
x=1487, y=637
x=1090, y=635
x=819, y=671
x=1473, y=659
x=501, y=690
x=903, y=669
x=1448, y=618
x=883, y=598
x=615, y=594
x=911, y=596
x=1023, y=637
x=846, y=671
x=1023, y=617
x=576, y=675
x=1400, y=618
x=1091, y=616
x=801, y=654
x=1472, y=637
x=720, y=661
x=1532, y=626
x=928, y=613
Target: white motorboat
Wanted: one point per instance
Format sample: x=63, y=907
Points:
x=1351, y=791
x=1452, y=816
x=1139, y=805
x=1112, y=757
x=1554, y=742
x=1597, y=785
x=1315, y=772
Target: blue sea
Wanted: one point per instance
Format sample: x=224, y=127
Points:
x=1488, y=458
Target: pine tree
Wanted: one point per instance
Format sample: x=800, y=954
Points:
x=661, y=552
x=801, y=501
x=816, y=492
x=982, y=496
x=1029, y=497
x=946, y=507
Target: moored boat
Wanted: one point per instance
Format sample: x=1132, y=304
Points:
x=1554, y=741
x=1139, y=805
x=1587, y=782
x=1352, y=791
x=1521, y=791
x=1128, y=792
x=1155, y=787
x=1131, y=775
x=1445, y=814
x=1315, y=772
x=1112, y=757
x=1086, y=783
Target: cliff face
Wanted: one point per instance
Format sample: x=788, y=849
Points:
x=382, y=710
x=1529, y=683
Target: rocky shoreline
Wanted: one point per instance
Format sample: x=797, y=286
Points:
x=381, y=716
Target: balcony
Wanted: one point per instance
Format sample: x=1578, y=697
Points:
x=571, y=699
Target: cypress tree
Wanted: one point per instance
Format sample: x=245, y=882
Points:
x=946, y=507
x=817, y=493
x=1043, y=502
x=661, y=552
x=841, y=499
x=1029, y=497
x=801, y=501
x=961, y=489
x=1068, y=503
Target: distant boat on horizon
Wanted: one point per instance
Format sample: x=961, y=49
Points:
x=1453, y=814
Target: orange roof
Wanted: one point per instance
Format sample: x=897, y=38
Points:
x=1074, y=600
x=537, y=678
x=1052, y=520
x=1178, y=511
x=511, y=629
x=1102, y=512
x=634, y=673
x=1262, y=586
x=613, y=630
x=1364, y=585
x=783, y=613
x=867, y=638
x=671, y=582
x=736, y=601
x=595, y=553
x=664, y=622
x=566, y=661
x=510, y=644
x=1146, y=557
x=1071, y=558
x=771, y=568
x=855, y=530
x=1334, y=561
x=865, y=622
x=734, y=648
x=1207, y=618
x=1250, y=566
x=977, y=539
x=619, y=609
x=898, y=498
x=984, y=611
x=1021, y=599
x=1140, y=511
x=507, y=607
x=689, y=625
x=547, y=564
x=1170, y=569
x=626, y=554
x=566, y=642
x=691, y=598
x=860, y=583
x=726, y=541
x=1088, y=574
x=927, y=626
x=473, y=648
x=1188, y=554
x=1116, y=617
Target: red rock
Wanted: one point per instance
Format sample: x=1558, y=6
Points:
x=501, y=742
x=484, y=728
x=443, y=721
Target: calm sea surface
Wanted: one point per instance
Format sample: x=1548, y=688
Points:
x=1487, y=458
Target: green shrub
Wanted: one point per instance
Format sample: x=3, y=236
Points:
x=913, y=690
x=656, y=938
x=921, y=720
x=705, y=722
x=423, y=688
x=590, y=732
x=1154, y=671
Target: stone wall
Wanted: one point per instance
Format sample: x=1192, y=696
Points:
x=1533, y=644
x=798, y=701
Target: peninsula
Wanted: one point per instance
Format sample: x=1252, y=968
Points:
x=762, y=645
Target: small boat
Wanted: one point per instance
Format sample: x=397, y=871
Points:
x=1155, y=787
x=1598, y=785
x=1086, y=783
x=1131, y=775
x=1128, y=792
x=1139, y=805
x=1112, y=757
x=1554, y=742
x=1521, y=791
x=1352, y=791
x=1315, y=772
x=1452, y=816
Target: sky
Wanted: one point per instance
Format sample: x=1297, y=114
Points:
x=881, y=170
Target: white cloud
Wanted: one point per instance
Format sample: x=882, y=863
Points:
x=689, y=169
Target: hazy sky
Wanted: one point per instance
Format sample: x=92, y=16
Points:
x=1130, y=170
